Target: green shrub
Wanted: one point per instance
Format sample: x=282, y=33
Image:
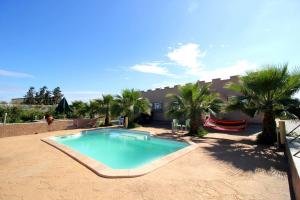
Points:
x=2, y=112
x=14, y=114
x=31, y=115
x=133, y=125
x=201, y=132
x=99, y=123
x=19, y=114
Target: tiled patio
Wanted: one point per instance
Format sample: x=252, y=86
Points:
x=225, y=166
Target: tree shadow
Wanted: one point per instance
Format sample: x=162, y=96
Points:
x=236, y=148
x=245, y=154
x=251, y=129
x=159, y=124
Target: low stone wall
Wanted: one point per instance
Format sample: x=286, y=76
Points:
x=84, y=123
x=33, y=128
x=294, y=164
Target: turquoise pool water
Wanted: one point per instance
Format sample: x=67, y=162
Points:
x=119, y=148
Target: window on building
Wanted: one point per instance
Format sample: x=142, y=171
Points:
x=157, y=106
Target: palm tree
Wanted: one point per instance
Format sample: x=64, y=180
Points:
x=192, y=102
x=268, y=91
x=107, y=101
x=131, y=104
x=80, y=109
x=95, y=107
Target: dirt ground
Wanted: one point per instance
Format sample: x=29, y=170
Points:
x=225, y=166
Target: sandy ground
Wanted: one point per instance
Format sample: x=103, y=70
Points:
x=225, y=166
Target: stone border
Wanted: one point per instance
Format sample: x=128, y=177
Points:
x=107, y=172
x=17, y=129
x=294, y=164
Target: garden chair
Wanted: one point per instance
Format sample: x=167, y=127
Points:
x=121, y=121
x=175, y=125
x=186, y=126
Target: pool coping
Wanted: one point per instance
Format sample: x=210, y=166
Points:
x=105, y=171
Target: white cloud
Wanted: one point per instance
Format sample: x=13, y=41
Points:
x=238, y=68
x=14, y=74
x=187, y=56
x=151, y=68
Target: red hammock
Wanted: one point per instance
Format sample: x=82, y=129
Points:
x=225, y=125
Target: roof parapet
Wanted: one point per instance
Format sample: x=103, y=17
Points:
x=215, y=80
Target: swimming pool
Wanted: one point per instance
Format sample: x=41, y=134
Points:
x=119, y=150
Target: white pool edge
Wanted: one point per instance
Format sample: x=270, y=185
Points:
x=107, y=172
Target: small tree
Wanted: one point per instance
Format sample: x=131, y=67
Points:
x=47, y=100
x=192, y=102
x=80, y=109
x=40, y=96
x=30, y=96
x=131, y=104
x=14, y=114
x=57, y=95
x=95, y=107
x=268, y=91
x=3, y=110
x=107, y=101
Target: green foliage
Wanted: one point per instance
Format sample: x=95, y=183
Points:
x=51, y=111
x=57, y=95
x=99, y=123
x=192, y=102
x=43, y=96
x=95, y=108
x=13, y=114
x=30, y=96
x=130, y=104
x=18, y=114
x=133, y=125
x=31, y=115
x=2, y=112
x=106, y=106
x=80, y=109
x=201, y=132
x=268, y=91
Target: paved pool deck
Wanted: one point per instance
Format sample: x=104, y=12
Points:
x=224, y=166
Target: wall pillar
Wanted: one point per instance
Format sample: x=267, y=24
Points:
x=126, y=122
x=282, y=132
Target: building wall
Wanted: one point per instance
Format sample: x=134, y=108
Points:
x=17, y=100
x=217, y=85
x=294, y=165
x=16, y=129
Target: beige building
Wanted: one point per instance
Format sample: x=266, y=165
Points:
x=160, y=103
x=17, y=100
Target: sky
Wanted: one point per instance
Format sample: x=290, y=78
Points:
x=95, y=47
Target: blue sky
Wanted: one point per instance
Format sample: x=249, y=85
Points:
x=93, y=47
